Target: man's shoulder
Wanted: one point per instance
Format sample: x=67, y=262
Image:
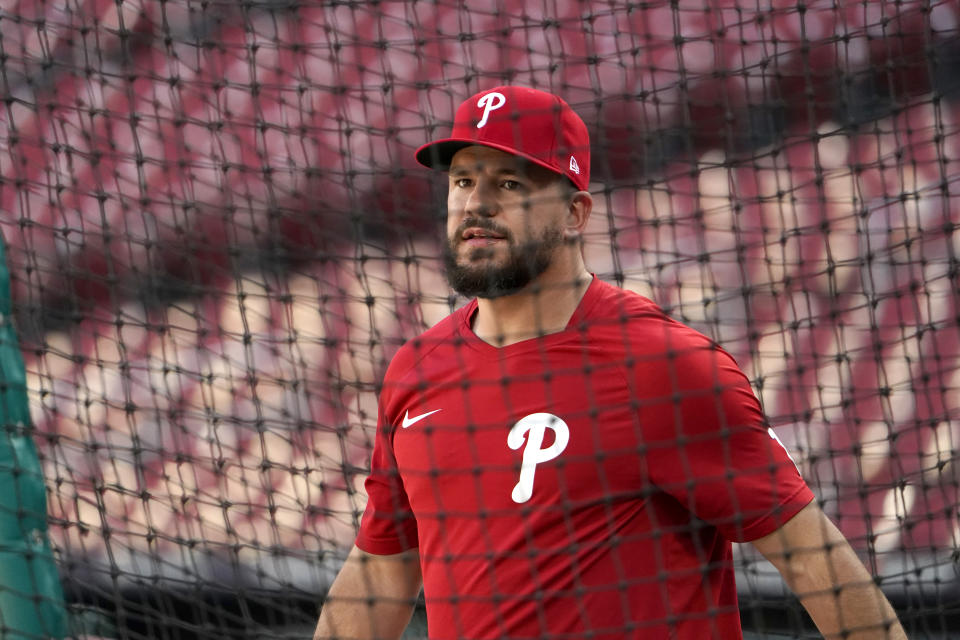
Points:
x=618, y=304
x=641, y=322
x=420, y=348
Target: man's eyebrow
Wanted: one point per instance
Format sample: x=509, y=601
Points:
x=462, y=170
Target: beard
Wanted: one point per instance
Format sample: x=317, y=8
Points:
x=476, y=278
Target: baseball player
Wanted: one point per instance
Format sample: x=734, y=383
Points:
x=558, y=458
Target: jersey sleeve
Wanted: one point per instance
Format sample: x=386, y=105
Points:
x=388, y=525
x=708, y=443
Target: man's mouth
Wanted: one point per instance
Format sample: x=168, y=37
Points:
x=479, y=237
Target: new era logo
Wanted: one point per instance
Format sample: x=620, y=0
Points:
x=574, y=166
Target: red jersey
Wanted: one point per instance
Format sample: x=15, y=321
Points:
x=586, y=484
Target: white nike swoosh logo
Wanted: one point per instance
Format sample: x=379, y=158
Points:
x=407, y=420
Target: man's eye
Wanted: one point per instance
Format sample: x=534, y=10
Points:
x=462, y=182
x=511, y=185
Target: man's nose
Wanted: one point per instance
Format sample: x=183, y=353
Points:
x=482, y=200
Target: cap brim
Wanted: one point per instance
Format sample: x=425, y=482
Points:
x=439, y=154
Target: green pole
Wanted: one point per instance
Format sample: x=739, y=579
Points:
x=31, y=598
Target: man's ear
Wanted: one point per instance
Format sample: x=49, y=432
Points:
x=579, y=208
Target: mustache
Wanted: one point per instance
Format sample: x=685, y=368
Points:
x=480, y=223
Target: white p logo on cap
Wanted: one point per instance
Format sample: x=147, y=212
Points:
x=490, y=102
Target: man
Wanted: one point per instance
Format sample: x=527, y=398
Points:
x=558, y=458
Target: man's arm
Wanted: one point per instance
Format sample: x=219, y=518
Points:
x=372, y=597
x=838, y=592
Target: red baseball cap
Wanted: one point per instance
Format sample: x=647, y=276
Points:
x=532, y=124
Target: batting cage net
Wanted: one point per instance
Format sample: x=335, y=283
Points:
x=217, y=239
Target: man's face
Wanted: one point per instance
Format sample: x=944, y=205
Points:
x=504, y=221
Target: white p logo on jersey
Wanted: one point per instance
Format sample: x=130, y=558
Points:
x=537, y=424
x=490, y=102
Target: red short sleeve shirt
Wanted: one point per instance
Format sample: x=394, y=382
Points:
x=584, y=484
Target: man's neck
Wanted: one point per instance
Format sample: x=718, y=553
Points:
x=545, y=306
